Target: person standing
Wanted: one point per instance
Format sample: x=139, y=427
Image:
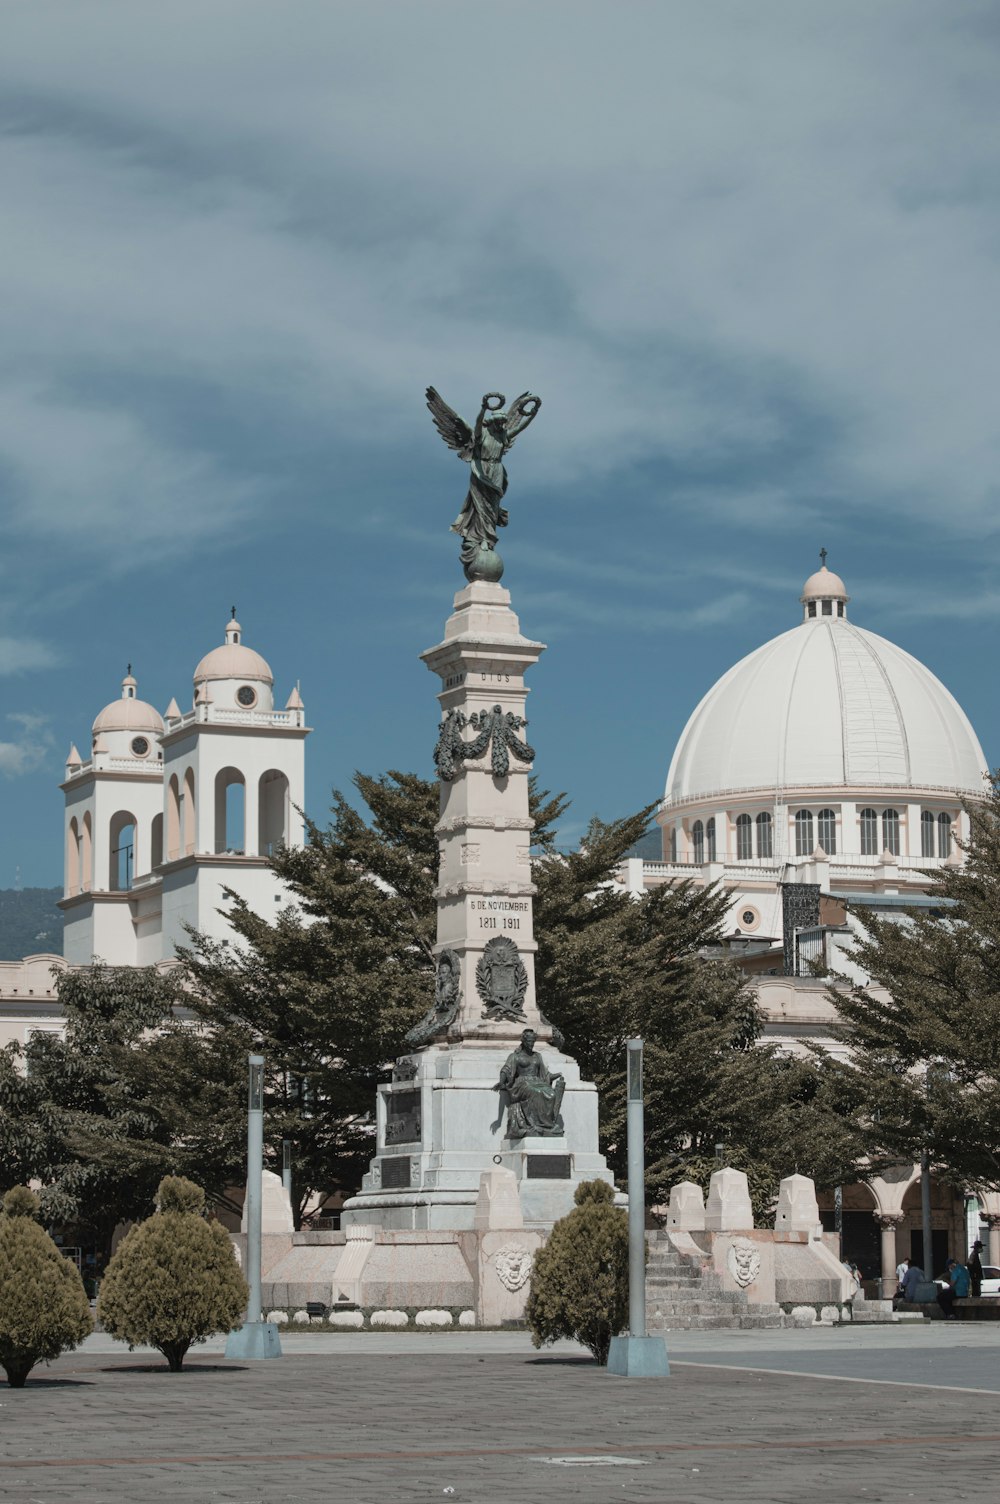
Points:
x=975, y=1267
x=913, y=1277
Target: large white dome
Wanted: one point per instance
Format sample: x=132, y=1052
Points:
x=826, y=705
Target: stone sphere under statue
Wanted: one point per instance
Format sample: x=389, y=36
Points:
x=486, y=564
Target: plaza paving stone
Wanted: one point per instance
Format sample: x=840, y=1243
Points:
x=484, y=1419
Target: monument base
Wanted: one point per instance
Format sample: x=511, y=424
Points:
x=639, y=1358
x=442, y=1127
x=254, y=1339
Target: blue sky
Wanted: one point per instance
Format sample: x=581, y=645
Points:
x=749, y=255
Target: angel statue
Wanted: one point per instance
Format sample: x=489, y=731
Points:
x=483, y=447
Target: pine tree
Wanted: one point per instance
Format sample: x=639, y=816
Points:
x=924, y=1032
x=579, y=1282
x=78, y=1112
x=174, y=1279
x=327, y=998
x=43, y=1306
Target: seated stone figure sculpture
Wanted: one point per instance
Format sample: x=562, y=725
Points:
x=533, y=1095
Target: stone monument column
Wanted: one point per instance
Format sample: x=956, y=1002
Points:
x=484, y=885
x=887, y=1223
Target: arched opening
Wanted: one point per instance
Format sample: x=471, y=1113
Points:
x=698, y=841
x=156, y=842
x=73, y=858
x=673, y=843
x=926, y=833
x=173, y=819
x=890, y=831
x=710, y=838
x=804, y=843
x=869, y=833
x=272, y=811
x=744, y=838
x=826, y=830
x=87, y=853
x=121, y=852
x=860, y=1239
x=765, y=836
x=944, y=835
x=230, y=811
x=189, y=812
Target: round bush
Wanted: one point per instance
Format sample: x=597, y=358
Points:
x=174, y=1279
x=43, y=1306
x=579, y=1282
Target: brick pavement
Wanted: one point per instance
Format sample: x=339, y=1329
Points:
x=380, y=1428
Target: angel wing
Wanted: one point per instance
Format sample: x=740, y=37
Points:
x=454, y=430
x=518, y=419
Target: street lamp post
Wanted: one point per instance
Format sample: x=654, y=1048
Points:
x=255, y=1338
x=637, y=1356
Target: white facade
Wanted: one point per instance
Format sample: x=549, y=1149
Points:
x=170, y=811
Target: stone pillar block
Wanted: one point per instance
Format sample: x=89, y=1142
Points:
x=798, y=1209
x=275, y=1207
x=728, y=1208
x=499, y=1201
x=686, y=1212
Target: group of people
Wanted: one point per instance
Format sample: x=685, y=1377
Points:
x=961, y=1280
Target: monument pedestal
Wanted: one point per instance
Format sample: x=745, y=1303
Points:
x=442, y=1129
x=442, y=1122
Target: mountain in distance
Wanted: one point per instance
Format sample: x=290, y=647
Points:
x=30, y=923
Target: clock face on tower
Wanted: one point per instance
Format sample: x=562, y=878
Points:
x=246, y=696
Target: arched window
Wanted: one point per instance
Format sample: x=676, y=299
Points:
x=121, y=853
x=189, y=812
x=87, y=854
x=826, y=831
x=710, y=834
x=272, y=808
x=926, y=833
x=673, y=844
x=73, y=858
x=173, y=819
x=230, y=811
x=744, y=838
x=698, y=841
x=890, y=831
x=156, y=842
x=944, y=835
x=869, y=832
x=804, y=842
x=765, y=836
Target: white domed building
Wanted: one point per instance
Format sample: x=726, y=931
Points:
x=826, y=769
x=170, y=810
x=828, y=760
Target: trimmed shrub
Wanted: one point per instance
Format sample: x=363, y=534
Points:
x=43, y=1306
x=579, y=1282
x=174, y=1279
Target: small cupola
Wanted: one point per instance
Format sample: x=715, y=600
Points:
x=824, y=595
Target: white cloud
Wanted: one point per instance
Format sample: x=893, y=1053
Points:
x=756, y=244
x=30, y=747
x=19, y=654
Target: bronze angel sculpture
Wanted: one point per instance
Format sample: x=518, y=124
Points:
x=483, y=448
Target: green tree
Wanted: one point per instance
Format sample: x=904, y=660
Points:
x=326, y=995
x=579, y=1282
x=610, y=967
x=43, y=1307
x=924, y=1031
x=174, y=1279
x=81, y=1114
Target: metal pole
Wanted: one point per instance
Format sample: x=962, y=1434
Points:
x=255, y=1170
x=925, y=1210
x=636, y=1195
x=286, y=1165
